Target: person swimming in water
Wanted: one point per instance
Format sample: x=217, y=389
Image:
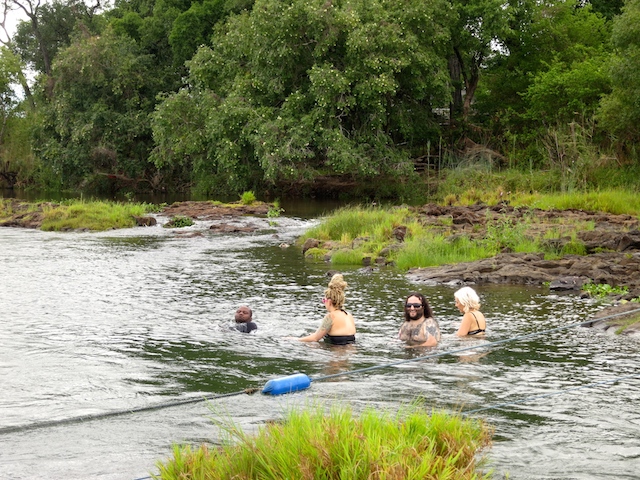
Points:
x=473, y=321
x=338, y=326
x=244, y=320
x=419, y=329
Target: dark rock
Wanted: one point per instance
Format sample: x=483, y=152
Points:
x=309, y=244
x=400, y=232
x=227, y=228
x=145, y=221
x=567, y=283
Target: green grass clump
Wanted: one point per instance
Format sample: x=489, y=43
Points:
x=248, y=198
x=434, y=250
x=610, y=201
x=93, y=215
x=600, y=290
x=349, y=223
x=179, y=221
x=338, y=445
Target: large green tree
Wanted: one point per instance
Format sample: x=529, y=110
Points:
x=551, y=70
x=298, y=89
x=14, y=122
x=620, y=111
x=97, y=119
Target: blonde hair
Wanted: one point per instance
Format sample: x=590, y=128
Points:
x=335, y=291
x=468, y=298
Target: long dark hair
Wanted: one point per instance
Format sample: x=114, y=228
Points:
x=428, y=313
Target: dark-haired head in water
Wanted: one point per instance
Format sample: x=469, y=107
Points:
x=244, y=322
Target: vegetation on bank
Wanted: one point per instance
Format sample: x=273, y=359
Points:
x=78, y=214
x=370, y=99
x=356, y=233
x=313, y=443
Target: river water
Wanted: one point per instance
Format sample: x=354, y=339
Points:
x=93, y=323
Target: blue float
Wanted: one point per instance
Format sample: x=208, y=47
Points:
x=292, y=383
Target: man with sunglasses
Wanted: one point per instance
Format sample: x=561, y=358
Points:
x=419, y=329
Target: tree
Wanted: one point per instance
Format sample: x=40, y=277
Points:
x=49, y=28
x=552, y=69
x=97, y=119
x=620, y=110
x=10, y=70
x=480, y=25
x=297, y=89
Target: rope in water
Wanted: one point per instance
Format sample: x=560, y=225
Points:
x=551, y=394
x=248, y=391
x=85, y=418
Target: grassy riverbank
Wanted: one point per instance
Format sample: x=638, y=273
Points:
x=73, y=215
x=351, y=235
x=315, y=444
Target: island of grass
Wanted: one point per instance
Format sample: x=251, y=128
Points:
x=97, y=215
x=313, y=443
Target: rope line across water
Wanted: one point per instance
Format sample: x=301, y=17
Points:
x=551, y=394
x=85, y=418
x=248, y=391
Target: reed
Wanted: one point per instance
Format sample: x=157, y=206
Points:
x=314, y=444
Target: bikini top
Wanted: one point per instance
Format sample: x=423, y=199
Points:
x=478, y=330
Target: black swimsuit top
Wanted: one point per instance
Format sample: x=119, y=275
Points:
x=340, y=339
x=479, y=330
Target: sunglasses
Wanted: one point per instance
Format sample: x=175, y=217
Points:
x=414, y=305
x=324, y=300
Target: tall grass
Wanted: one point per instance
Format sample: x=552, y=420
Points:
x=610, y=201
x=433, y=250
x=314, y=444
x=93, y=215
x=349, y=223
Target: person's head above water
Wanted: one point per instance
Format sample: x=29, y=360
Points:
x=467, y=299
x=243, y=314
x=335, y=291
x=416, y=306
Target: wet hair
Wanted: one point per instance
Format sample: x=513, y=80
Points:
x=468, y=298
x=335, y=291
x=428, y=313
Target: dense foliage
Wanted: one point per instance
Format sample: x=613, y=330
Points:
x=223, y=96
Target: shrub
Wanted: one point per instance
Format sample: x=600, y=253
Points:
x=248, y=198
x=179, y=222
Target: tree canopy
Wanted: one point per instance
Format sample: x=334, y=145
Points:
x=221, y=96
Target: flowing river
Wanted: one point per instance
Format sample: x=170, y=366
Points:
x=94, y=323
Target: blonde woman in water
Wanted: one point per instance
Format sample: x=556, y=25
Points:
x=473, y=321
x=338, y=326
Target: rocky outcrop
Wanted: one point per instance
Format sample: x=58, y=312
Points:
x=613, y=268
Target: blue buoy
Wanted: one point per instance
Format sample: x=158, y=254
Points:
x=292, y=383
